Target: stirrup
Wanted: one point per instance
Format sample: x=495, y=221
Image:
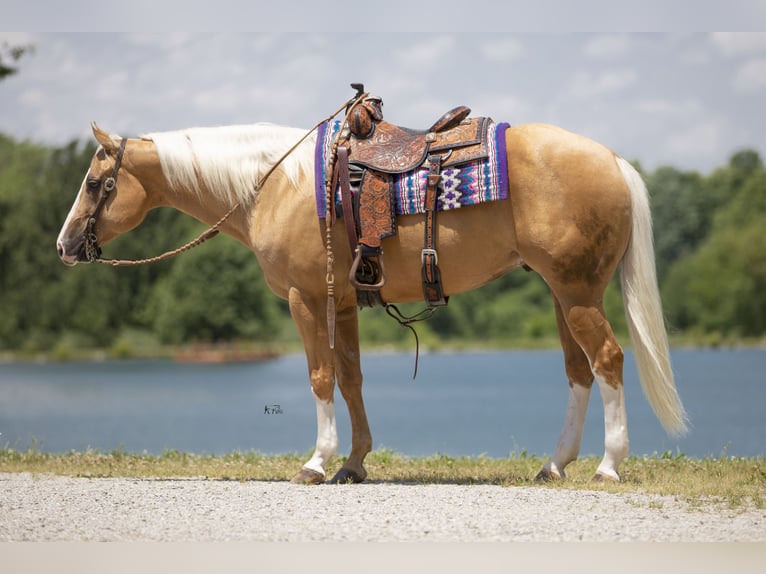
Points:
x=367, y=267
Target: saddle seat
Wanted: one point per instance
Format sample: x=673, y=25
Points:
x=390, y=149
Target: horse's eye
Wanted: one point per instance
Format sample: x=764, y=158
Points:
x=93, y=184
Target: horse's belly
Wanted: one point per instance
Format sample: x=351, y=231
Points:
x=474, y=245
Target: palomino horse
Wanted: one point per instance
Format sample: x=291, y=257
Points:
x=576, y=212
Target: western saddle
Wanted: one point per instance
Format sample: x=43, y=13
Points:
x=368, y=153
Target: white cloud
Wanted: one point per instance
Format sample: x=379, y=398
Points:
x=697, y=139
x=309, y=68
x=17, y=38
x=160, y=41
x=502, y=108
x=751, y=77
x=671, y=109
x=503, y=50
x=687, y=132
x=425, y=53
x=222, y=97
x=695, y=56
x=33, y=98
x=277, y=101
x=607, y=47
x=588, y=85
x=110, y=87
x=749, y=49
x=740, y=43
x=139, y=83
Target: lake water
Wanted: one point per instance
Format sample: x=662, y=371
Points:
x=494, y=404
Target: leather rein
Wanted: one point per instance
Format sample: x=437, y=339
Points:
x=91, y=248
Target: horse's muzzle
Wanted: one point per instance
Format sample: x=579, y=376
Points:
x=71, y=253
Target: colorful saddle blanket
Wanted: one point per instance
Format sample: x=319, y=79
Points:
x=462, y=185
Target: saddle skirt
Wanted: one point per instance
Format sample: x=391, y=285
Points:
x=465, y=180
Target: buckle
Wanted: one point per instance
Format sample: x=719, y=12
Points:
x=431, y=252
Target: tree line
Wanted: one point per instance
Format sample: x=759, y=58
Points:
x=709, y=239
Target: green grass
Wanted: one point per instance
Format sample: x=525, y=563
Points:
x=731, y=481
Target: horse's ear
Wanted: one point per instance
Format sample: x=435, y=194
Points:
x=110, y=142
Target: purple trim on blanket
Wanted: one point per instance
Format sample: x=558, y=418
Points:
x=502, y=159
x=464, y=185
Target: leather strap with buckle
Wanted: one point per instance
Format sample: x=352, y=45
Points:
x=433, y=292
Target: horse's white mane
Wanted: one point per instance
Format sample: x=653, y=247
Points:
x=230, y=160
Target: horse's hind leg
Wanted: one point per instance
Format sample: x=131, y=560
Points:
x=580, y=382
x=591, y=330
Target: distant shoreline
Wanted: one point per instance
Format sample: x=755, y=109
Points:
x=233, y=351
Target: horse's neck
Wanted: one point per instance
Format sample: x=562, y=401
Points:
x=210, y=210
x=203, y=206
x=278, y=193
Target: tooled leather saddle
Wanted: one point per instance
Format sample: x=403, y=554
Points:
x=369, y=152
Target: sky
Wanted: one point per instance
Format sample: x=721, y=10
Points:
x=681, y=98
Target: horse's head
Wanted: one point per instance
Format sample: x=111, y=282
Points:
x=111, y=201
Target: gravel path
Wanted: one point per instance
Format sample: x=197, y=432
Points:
x=45, y=508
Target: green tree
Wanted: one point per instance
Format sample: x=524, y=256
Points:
x=721, y=287
x=30, y=208
x=9, y=55
x=215, y=293
x=682, y=209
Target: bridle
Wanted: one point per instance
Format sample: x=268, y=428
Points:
x=91, y=247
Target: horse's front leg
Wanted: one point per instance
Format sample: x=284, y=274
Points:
x=349, y=373
x=313, y=331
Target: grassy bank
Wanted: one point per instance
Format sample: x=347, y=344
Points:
x=734, y=482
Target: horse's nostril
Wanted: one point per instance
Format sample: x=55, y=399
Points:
x=60, y=248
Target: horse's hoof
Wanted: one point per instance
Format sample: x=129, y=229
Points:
x=606, y=478
x=308, y=476
x=549, y=475
x=346, y=476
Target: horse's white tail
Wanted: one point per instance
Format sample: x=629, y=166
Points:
x=643, y=310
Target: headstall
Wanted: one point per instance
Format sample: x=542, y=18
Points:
x=92, y=249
